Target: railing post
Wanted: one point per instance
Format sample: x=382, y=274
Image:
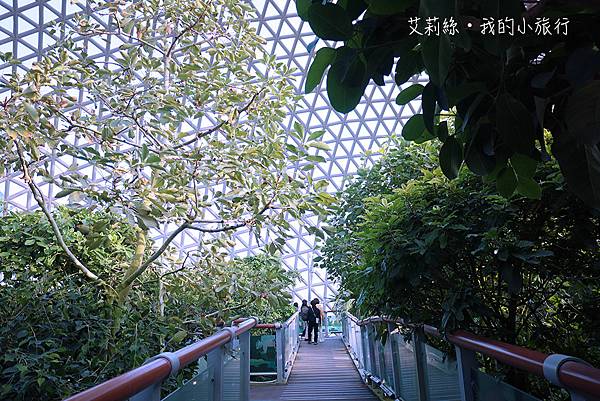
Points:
x=245, y=366
x=152, y=393
x=371, y=344
x=358, y=345
x=365, y=346
x=466, y=362
x=280, y=348
x=297, y=338
x=393, y=339
x=420, y=363
x=215, y=360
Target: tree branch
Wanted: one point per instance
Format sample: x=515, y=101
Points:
x=202, y=134
x=37, y=195
x=132, y=117
x=187, y=255
x=116, y=137
x=176, y=38
x=232, y=308
x=217, y=230
x=131, y=278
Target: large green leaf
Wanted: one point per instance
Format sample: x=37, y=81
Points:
x=580, y=164
x=323, y=59
x=524, y=166
x=515, y=124
x=456, y=93
x=346, y=80
x=437, y=55
x=436, y=8
x=583, y=65
x=354, y=8
x=414, y=128
x=330, y=21
x=428, y=101
x=451, y=157
x=64, y=192
x=583, y=114
x=409, y=94
x=407, y=66
x=529, y=187
x=442, y=131
x=478, y=162
x=302, y=7
x=479, y=152
x=32, y=111
x=388, y=7
x=506, y=183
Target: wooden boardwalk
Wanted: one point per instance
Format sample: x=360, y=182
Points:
x=321, y=372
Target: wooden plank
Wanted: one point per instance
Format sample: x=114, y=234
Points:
x=321, y=372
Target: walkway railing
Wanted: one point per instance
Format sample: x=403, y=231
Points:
x=222, y=371
x=286, y=345
x=416, y=371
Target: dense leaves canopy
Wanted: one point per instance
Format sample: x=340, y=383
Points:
x=500, y=90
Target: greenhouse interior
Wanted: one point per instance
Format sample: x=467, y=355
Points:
x=261, y=200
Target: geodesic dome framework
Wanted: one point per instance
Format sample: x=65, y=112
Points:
x=354, y=138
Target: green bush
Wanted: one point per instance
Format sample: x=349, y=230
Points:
x=457, y=255
x=57, y=330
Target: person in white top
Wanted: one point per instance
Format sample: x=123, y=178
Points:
x=322, y=317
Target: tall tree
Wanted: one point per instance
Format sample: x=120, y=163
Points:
x=130, y=123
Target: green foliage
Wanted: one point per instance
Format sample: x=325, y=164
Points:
x=406, y=242
x=501, y=91
x=56, y=327
x=409, y=94
x=139, y=134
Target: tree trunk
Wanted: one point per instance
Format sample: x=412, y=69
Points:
x=123, y=290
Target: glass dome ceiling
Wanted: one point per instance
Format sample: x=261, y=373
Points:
x=352, y=137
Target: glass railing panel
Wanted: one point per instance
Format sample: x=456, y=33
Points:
x=442, y=376
x=358, y=344
x=381, y=368
x=490, y=388
x=196, y=389
x=334, y=323
x=263, y=357
x=388, y=355
x=408, y=370
x=231, y=376
x=367, y=338
x=291, y=338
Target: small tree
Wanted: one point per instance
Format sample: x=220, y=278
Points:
x=134, y=119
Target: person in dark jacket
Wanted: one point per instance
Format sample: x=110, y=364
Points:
x=303, y=314
x=314, y=319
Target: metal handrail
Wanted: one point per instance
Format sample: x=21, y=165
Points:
x=136, y=380
x=573, y=375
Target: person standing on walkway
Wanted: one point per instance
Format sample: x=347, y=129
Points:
x=314, y=319
x=322, y=318
x=303, y=314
